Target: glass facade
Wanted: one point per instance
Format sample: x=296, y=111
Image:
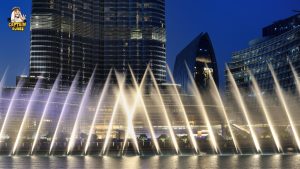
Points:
x=134, y=33
x=71, y=36
x=65, y=37
x=196, y=55
x=276, y=48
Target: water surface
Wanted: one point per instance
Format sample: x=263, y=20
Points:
x=154, y=162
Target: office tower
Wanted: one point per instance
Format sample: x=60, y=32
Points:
x=133, y=33
x=278, y=46
x=65, y=37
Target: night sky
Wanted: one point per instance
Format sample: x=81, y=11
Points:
x=230, y=23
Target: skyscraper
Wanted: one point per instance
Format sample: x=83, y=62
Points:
x=75, y=36
x=65, y=37
x=278, y=46
x=199, y=56
x=133, y=33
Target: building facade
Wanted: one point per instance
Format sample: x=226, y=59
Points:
x=65, y=37
x=76, y=36
x=199, y=57
x=134, y=33
x=278, y=46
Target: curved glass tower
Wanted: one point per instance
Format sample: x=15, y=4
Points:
x=196, y=55
x=133, y=33
x=65, y=37
x=75, y=36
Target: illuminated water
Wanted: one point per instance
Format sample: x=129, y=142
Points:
x=155, y=162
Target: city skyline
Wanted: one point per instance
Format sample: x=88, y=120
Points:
x=177, y=28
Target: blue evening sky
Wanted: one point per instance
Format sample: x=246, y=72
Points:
x=230, y=23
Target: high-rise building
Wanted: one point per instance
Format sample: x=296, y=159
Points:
x=279, y=46
x=199, y=57
x=65, y=37
x=134, y=33
x=75, y=36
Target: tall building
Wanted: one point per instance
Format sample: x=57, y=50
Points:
x=65, y=37
x=279, y=45
x=75, y=36
x=134, y=33
x=199, y=56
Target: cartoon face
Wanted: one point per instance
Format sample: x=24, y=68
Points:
x=17, y=13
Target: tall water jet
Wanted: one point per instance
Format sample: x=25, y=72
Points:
x=266, y=112
x=219, y=101
x=296, y=77
x=63, y=111
x=79, y=113
x=100, y=101
x=189, y=128
x=26, y=114
x=10, y=107
x=129, y=114
x=139, y=94
x=240, y=101
x=45, y=111
x=173, y=137
x=204, y=112
x=2, y=82
x=285, y=106
x=110, y=126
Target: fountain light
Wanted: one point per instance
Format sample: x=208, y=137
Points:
x=266, y=111
x=172, y=134
x=10, y=107
x=139, y=94
x=219, y=101
x=82, y=106
x=204, y=112
x=63, y=111
x=285, y=106
x=100, y=102
x=110, y=126
x=45, y=110
x=28, y=109
x=187, y=122
x=296, y=77
x=242, y=105
x=129, y=114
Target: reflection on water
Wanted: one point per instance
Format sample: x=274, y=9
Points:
x=154, y=162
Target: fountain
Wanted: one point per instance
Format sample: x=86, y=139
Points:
x=28, y=109
x=129, y=114
x=240, y=101
x=140, y=97
x=203, y=111
x=266, y=112
x=219, y=101
x=190, y=131
x=285, y=106
x=10, y=108
x=296, y=77
x=173, y=137
x=100, y=102
x=65, y=106
x=45, y=111
x=120, y=119
x=80, y=111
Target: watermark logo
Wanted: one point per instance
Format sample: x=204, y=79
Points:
x=17, y=21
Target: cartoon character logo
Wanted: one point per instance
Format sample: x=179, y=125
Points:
x=17, y=21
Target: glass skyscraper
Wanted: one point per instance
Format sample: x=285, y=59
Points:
x=65, y=37
x=199, y=57
x=76, y=36
x=279, y=45
x=133, y=33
